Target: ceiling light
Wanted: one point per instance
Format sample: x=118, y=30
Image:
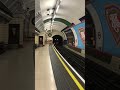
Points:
x=54, y=16
x=50, y=11
x=52, y=20
x=57, y=8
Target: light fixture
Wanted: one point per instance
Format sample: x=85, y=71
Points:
x=52, y=20
x=57, y=8
x=54, y=17
x=50, y=11
x=55, y=11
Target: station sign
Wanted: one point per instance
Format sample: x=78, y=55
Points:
x=79, y=34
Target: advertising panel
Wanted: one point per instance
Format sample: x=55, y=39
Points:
x=79, y=34
x=82, y=34
x=109, y=15
x=112, y=13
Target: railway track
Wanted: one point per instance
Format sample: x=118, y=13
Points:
x=98, y=77
x=76, y=61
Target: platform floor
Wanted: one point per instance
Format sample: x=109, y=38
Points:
x=63, y=76
x=44, y=78
x=50, y=73
x=17, y=69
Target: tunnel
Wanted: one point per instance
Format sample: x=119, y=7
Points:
x=57, y=40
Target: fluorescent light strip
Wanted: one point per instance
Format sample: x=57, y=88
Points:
x=57, y=8
x=50, y=11
x=52, y=20
x=54, y=16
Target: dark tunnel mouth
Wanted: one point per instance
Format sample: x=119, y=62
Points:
x=57, y=40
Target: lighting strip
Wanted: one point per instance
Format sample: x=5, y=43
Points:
x=54, y=17
x=56, y=10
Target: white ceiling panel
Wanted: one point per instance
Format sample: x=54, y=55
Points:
x=70, y=10
x=56, y=26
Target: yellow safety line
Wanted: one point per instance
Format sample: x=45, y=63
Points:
x=69, y=72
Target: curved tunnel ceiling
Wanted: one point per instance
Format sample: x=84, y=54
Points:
x=70, y=12
x=13, y=8
x=56, y=25
x=59, y=20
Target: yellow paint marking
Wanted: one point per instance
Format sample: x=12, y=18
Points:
x=69, y=72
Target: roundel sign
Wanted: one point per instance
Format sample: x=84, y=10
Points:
x=49, y=34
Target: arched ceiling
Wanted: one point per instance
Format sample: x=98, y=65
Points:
x=56, y=25
x=19, y=5
x=70, y=10
x=59, y=20
x=14, y=8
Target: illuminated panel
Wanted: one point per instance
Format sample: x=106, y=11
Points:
x=82, y=34
x=79, y=35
